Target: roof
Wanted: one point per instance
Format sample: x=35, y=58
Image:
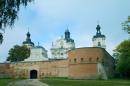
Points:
x=28, y=39
x=99, y=36
x=28, y=42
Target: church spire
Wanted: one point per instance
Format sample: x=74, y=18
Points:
x=99, y=39
x=67, y=34
x=28, y=41
x=98, y=29
x=28, y=37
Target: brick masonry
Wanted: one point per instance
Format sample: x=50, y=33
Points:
x=82, y=63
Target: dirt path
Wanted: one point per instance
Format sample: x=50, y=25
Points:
x=27, y=82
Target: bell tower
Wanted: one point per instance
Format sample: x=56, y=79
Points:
x=28, y=41
x=99, y=39
x=67, y=34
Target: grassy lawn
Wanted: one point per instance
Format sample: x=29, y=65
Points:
x=4, y=82
x=65, y=82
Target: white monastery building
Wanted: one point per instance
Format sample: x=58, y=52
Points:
x=61, y=47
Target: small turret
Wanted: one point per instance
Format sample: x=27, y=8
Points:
x=28, y=41
x=67, y=34
x=99, y=39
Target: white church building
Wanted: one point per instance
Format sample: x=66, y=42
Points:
x=60, y=47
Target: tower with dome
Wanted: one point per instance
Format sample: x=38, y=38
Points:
x=61, y=47
x=37, y=53
x=28, y=41
x=99, y=38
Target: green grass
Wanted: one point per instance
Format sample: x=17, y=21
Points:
x=67, y=82
x=4, y=82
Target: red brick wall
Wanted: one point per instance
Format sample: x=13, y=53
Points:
x=83, y=62
x=83, y=71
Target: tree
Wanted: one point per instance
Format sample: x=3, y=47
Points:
x=9, y=13
x=126, y=25
x=122, y=53
x=18, y=53
x=9, y=10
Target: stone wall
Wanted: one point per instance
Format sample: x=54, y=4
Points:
x=52, y=68
x=82, y=63
x=5, y=71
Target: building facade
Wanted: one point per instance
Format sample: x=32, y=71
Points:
x=67, y=61
x=37, y=53
x=82, y=63
x=62, y=46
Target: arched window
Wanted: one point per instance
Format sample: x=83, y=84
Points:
x=99, y=44
x=97, y=59
x=82, y=59
x=75, y=59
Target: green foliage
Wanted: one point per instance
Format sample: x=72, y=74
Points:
x=123, y=58
x=18, y=53
x=126, y=25
x=9, y=10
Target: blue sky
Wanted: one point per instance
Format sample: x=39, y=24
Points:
x=48, y=19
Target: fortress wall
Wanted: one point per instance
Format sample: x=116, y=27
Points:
x=83, y=62
x=5, y=71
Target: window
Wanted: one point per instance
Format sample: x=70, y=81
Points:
x=82, y=59
x=90, y=59
x=61, y=53
x=42, y=53
x=99, y=44
x=74, y=59
x=97, y=59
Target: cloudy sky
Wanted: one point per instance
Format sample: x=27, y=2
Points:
x=48, y=19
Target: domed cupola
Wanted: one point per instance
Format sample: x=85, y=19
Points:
x=99, y=39
x=28, y=41
x=98, y=34
x=67, y=36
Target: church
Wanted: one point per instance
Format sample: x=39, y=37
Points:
x=66, y=60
